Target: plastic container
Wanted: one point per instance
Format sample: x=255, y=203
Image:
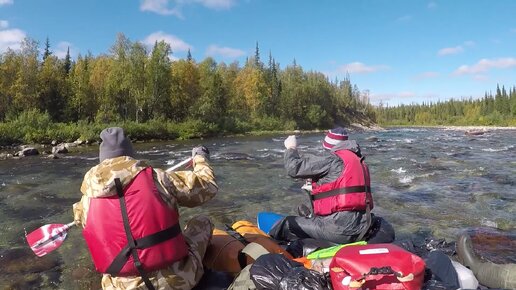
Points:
x=467, y=279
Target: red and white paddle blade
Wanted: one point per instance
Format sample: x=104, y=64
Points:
x=47, y=238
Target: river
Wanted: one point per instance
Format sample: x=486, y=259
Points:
x=427, y=182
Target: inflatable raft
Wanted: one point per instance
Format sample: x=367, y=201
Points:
x=351, y=266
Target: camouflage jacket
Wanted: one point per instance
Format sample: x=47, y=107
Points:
x=178, y=188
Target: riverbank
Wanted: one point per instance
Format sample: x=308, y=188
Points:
x=459, y=128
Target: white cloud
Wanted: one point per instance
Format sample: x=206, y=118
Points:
x=173, y=7
x=484, y=65
x=11, y=38
x=227, y=52
x=159, y=7
x=6, y=2
x=358, y=67
x=4, y=24
x=62, y=48
x=450, y=50
x=175, y=43
x=215, y=4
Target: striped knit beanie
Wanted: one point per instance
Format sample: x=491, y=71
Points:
x=334, y=137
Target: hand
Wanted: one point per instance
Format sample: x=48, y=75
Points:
x=201, y=150
x=291, y=142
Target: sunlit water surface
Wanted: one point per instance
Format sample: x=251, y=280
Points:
x=426, y=182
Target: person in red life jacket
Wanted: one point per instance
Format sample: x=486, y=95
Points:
x=341, y=200
x=130, y=220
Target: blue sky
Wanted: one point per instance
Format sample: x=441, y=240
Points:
x=399, y=51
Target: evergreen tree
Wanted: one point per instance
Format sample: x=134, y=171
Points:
x=47, y=51
x=189, y=56
x=257, y=61
x=67, y=61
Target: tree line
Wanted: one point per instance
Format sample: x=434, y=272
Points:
x=494, y=109
x=134, y=84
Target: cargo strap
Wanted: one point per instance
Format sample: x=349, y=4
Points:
x=387, y=270
x=255, y=250
x=242, y=260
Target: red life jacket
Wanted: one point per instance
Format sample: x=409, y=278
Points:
x=351, y=191
x=134, y=232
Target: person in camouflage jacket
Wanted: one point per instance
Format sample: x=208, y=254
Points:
x=179, y=188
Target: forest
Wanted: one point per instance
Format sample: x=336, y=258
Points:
x=498, y=109
x=45, y=98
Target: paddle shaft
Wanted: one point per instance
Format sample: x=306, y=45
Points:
x=180, y=164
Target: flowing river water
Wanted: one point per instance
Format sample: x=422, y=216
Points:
x=427, y=182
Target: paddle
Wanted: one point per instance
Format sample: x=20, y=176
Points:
x=187, y=163
x=50, y=237
x=47, y=238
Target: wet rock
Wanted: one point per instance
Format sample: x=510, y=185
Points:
x=372, y=139
x=61, y=148
x=70, y=145
x=24, y=261
x=4, y=156
x=30, y=281
x=53, y=156
x=29, y=151
x=475, y=132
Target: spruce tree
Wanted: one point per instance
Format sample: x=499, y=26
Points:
x=257, y=61
x=189, y=56
x=67, y=62
x=47, y=52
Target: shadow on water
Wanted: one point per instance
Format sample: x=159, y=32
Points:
x=21, y=269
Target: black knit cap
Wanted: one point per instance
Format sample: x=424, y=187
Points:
x=114, y=144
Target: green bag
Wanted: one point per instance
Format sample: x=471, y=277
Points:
x=331, y=251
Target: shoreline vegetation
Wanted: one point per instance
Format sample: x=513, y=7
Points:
x=62, y=137
x=49, y=100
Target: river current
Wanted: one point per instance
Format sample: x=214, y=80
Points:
x=426, y=182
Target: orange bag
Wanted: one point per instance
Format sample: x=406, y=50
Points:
x=223, y=252
x=253, y=234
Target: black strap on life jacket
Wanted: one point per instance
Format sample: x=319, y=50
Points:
x=142, y=243
x=242, y=257
x=368, y=205
x=343, y=190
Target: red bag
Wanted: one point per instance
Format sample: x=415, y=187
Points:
x=376, y=266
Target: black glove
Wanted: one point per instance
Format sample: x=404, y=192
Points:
x=201, y=150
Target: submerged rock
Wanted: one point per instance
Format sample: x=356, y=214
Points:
x=24, y=270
